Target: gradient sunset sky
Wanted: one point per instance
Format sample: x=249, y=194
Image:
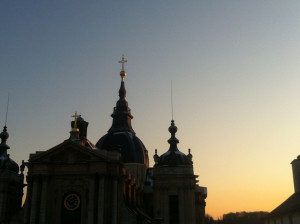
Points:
x=236, y=84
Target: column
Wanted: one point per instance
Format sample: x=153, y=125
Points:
x=101, y=201
x=115, y=202
x=28, y=200
x=181, y=205
x=44, y=202
x=161, y=197
x=34, y=202
x=165, y=207
x=4, y=202
x=192, y=205
x=91, y=201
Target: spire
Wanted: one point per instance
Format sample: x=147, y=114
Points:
x=3, y=146
x=4, y=134
x=122, y=91
x=173, y=141
x=122, y=114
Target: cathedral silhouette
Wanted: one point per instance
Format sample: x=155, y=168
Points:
x=108, y=183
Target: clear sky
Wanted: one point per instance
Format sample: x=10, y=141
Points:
x=235, y=72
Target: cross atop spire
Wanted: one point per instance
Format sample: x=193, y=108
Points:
x=123, y=73
x=123, y=61
x=75, y=121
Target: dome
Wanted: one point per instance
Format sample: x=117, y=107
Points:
x=7, y=163
x=132, y=148
x=173, y=157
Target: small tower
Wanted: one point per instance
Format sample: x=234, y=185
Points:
x=79, y=132
x=175, y=192
x=11, y=182
x=82, y=125
x=74, y=133
x=296, y=174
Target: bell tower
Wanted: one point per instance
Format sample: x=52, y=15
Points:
x=177, y=199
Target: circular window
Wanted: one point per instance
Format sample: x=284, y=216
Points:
x=72, y=202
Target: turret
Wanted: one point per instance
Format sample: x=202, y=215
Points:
x=176, y=196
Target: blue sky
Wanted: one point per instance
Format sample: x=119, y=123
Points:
x=234, y=67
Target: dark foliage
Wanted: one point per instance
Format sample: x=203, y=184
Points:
x=239, y=218
x=209, y=219
x=244, y=218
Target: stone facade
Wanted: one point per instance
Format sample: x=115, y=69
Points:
x=69, y=168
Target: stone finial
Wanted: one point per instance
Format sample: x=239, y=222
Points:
x=190, y=157
x=155, y=157
x=173, y=141
x=4, y=136
x=22, y=167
